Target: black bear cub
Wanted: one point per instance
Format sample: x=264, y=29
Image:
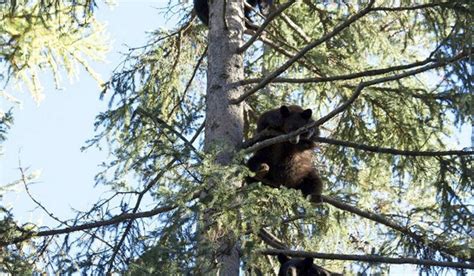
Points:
x=300, y=267
x=201, y=7
x=288, y=164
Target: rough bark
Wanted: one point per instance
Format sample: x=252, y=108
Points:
x=224, y=121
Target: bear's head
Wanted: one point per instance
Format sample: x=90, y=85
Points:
x=296, y=266
x=295, y=117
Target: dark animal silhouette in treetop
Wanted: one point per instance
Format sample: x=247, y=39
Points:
x=288, y=164
x=201, y=7
x=299, y=267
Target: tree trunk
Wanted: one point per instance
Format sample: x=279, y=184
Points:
x=224, y=121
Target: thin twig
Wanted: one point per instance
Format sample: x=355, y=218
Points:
x=295, y=28
x=49, y=213
x=188, y=84
x=39, y=204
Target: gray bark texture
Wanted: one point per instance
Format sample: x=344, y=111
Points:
x=224, y=121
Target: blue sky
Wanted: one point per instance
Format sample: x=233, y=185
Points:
x=48, y=137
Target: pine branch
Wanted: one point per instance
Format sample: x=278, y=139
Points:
x=115, y=220
x=367, y=258
x=301, y=33
x=301, y=53
x=367, y=73
x=271, y=240
x=190, y=81
x=49, y=213
x=273, y=44
x=135, y=210
x=161, y=123
x=390, y=150
x=152, y=183
x=394, y=225
x=86, y=226
x=417, y=7
x=354, y=96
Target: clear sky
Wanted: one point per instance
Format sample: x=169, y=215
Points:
x=48, y=137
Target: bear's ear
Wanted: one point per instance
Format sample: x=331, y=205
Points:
x=307, y=114
x=284, y=111
x=307, y=263
x=282, y=258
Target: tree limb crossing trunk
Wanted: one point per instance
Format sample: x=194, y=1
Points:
x=224, y=121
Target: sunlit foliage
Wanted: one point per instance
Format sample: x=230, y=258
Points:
x=35, y=38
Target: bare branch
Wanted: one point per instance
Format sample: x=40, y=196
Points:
x=391, y=224
x=301, y=53
x=367, y=258
x=390, y=150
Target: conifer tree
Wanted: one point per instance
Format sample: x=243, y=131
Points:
x=389, y=83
